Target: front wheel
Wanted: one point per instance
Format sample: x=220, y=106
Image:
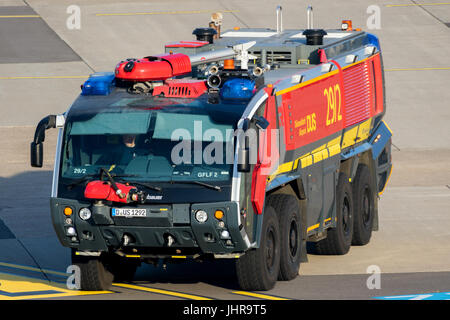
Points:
x=94, y=272
x=258, y=269
x=288, y=212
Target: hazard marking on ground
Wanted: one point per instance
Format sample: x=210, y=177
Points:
x=19, y=288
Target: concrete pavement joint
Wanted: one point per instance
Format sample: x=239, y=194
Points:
x=417, y=4
x=163, y=13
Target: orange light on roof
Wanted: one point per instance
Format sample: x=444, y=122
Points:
x=237, y=28
x=218, y=214
x=228, y=64
x=346, y=25
x=68, y=211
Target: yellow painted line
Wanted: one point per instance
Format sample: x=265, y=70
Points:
x=16, y=266
x=418, y=4
x=22, y=288
x=163, y=13
x=258, y=295
x=417, y=69
x=20, y=16
x=44, y=77
x=160, y=291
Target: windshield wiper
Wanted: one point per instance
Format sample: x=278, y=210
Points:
x=89, y=177
x=143, y=184
x=199, y=183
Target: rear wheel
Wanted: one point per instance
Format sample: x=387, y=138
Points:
x=258, y=269
x=94, y=272
x=288, y=210
x=339, y=239
x=364, y=203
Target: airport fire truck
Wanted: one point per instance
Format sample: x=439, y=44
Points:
x=251, y=144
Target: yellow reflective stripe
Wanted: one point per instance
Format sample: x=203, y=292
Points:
x=387, y=180
x=387, y=126
x=334, y=141
x=282, y=168
x=160, y=291
x=334, y=150
x=349, y=137
x=313, y=227
x=364, y=130
x=306, y=161
x=179, y=257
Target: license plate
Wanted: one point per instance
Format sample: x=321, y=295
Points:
x=129, y=213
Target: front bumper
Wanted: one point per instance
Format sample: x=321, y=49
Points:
x=102, y=232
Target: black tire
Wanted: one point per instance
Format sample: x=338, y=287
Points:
x=364, y=198
x=291, y=231
x=95, y=275
x=339, y=239
x=258, y=269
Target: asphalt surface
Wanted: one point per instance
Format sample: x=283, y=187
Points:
x=44, y=63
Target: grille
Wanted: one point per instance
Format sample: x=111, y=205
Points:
x=357, y=94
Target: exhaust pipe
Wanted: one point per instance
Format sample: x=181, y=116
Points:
x=309, y=18
x=279, y=19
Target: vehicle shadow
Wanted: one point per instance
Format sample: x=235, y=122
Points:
x=219, y=273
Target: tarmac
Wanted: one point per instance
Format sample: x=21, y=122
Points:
x=43, y=63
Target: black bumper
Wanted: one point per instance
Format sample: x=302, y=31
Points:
x=102, y=232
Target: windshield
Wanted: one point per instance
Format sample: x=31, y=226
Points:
x=150, y=139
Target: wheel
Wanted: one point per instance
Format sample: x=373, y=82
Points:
x=339, y=239
x=288, y=210
x=364, y=203
x=95, y=275
x=258, y=269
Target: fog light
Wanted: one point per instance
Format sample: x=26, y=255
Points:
x=71, y=231
x=225, y=234
x=84, y=213
x=201, y=216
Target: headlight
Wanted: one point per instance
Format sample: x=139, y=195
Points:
x=84, y=213
x=201, y=216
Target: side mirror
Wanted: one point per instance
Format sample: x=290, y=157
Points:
x=37, y=154
x=261, y=122
x=244, y=157
x=37, y=146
